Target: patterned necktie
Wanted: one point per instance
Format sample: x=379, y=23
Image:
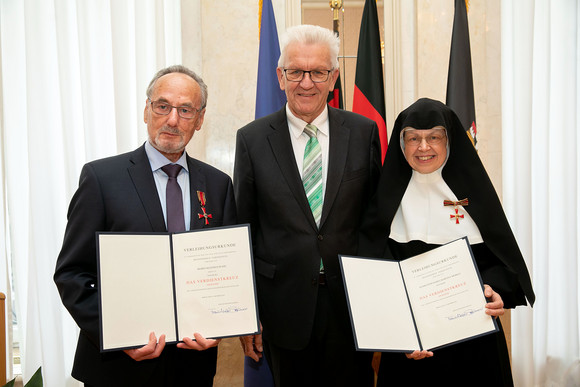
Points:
x=312, y=172
x=174, y=200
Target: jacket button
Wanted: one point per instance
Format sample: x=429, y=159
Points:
x=320, y=237
x=314, y=281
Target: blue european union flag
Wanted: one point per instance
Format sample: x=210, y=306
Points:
x=269, y=97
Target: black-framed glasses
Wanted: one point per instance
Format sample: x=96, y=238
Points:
x=316, y=76
x=163, y=108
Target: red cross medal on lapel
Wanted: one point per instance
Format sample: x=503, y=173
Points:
x=201, y=198
x=455, y=204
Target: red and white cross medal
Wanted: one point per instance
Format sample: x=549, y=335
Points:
x=455, y=204
x=205, y=215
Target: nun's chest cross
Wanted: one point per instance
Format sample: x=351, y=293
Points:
x=455, y=204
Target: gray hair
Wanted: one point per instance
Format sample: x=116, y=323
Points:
x=309, y=34
x=183, y=70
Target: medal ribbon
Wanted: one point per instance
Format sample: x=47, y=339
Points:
x=201, y=198
x=463, y=202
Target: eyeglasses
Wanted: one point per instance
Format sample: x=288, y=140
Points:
x=163, y=108
x=316, y=76
x=412, y=138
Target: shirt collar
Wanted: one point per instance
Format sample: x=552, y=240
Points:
x=297, y=125
x=158, y=160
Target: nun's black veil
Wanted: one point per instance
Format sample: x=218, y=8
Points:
x=466, y=177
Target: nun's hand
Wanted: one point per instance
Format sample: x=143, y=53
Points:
x=494, y=306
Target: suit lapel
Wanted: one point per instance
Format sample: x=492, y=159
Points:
x=196, y=183
x=337, y=152
x=142, y=178
x=282, y=149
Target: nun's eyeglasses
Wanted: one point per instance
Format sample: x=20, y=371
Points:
x=414, y=137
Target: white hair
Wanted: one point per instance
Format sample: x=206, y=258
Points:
x=310, y=34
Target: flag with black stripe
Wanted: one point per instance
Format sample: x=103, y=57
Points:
x=335, y=95
x=369, y=91
x=460, y=97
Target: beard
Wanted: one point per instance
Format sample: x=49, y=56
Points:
x=166, y=146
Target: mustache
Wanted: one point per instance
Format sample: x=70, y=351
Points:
x=170, y=130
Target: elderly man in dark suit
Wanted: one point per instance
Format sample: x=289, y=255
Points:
x=303, y=176
x=128, y=193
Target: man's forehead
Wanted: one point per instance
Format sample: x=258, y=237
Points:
x=176, y=85
x=298, y=52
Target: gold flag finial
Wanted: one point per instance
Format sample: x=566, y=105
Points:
x=336, y=6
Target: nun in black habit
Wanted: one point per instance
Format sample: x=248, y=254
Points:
x=433, y=190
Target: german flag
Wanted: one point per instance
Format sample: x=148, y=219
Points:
x=369, y=90
x=335, y=95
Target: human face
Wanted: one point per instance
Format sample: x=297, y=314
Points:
x=425, y=150
x=307, y=99
x=170, y=134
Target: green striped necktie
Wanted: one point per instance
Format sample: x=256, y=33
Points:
x=312, y=172
x=312, y=175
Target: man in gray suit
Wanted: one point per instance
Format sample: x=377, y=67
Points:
x=302, y=177
x=128, y=193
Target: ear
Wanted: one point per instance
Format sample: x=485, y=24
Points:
x=145, y=111
x=280, y=73
x=334, y=77
x=200, y=119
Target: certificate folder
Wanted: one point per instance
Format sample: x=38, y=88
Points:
x=427, y=301
x=175, y=284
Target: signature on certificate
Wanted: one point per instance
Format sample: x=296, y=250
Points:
x=229, y=309
x=468, y=312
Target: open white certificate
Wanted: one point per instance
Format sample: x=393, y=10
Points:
x=424, y=302
x=175, y=284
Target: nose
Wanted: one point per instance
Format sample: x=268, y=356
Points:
x=424, y=145
x=172, y=117
x=306, y=83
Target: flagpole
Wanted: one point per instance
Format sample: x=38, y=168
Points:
x=336, y=6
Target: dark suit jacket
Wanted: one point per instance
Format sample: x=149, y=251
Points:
x=119, y=194
x=287, y=245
